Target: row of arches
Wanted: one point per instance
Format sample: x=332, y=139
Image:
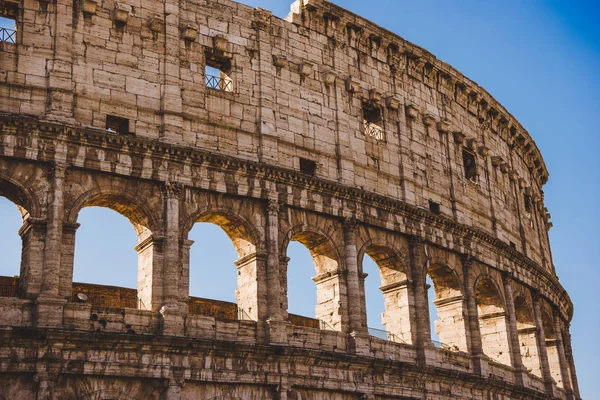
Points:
x=334, y=250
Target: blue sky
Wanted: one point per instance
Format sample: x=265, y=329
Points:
x=541, y=60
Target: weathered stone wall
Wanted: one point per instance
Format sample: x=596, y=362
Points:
x=298, y=90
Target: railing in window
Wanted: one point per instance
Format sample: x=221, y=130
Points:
x=444, y=346
x=373, y=130
x=385, y=335
x=7, y=35
x=219, y=83
x=8, y=290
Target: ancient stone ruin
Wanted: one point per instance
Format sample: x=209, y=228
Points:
x=321, y=128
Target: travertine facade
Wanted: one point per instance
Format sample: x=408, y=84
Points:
x=322, y=128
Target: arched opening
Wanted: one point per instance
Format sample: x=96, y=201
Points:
x=10, y=264
x=330, y=294
x=101, y=263
x=386, y=293
x=492, y=321
x=552, y=347
x=20, y=267
x=527, y=336
x=221, y=267
x=447, y=298
x=301, y=290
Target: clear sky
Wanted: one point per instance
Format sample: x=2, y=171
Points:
x=541, y=60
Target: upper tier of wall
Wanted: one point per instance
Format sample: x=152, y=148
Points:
x=298, y=90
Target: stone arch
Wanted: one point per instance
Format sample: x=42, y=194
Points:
x=449, y=303
x=551, y=338
x=244, y=235
x=526, y=331
x=397, y=294
x=146, y=222
x=131, y=207
x=331, y=286
x=491, y=313
x=32, y=235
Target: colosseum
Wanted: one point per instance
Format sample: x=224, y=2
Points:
x=321, y=128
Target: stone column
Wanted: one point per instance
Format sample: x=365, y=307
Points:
x=571, y=362
x=541, y=340
x=474, y=343
x=356, y=319
x=32, y=257
x=172, y=316
x=418, y=262
x=511, y=325
x=67, y=259
x=49, y=306
x=564, y=368
x=45, y=381
x=276, y=304
x=150, y=251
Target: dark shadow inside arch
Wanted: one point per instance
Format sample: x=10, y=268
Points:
x=446, y=296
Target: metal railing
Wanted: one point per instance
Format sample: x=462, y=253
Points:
x=219, y=83
x=7, y=35
x=325, y=326
x=373, y=130
x=385, y=335
x=8, y=290
x=440, y=345
x=243, y=315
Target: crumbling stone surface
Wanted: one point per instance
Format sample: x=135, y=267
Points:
x=322, y=128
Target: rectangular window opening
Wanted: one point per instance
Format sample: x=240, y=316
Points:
x=434, y=207
x=513, y=245
x=217, y=75
x=8, y=25
x=308, y=167
x=470, y=165
x=372, y=121
x=528, y=204
x=118, y=125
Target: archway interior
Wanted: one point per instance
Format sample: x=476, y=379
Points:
x=447, y=321
x=212, y=271
x=12, y=218
x=387, y=288
x=220, y=263
x=107, y=251
x=328, y=289
x=526, y=331
x=552, y=347
x=14, y=206
x=433, y=314
x=492, y=321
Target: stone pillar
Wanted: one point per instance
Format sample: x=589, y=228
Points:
x=474, y=342
x=45, y=381
x=564, y=367
x=356, y=318
x=32, y=257
x=184, y=281
x=418, y=263
x=541, y=340
x=49, y=306
x=150, y=251
x=399, y=306
x=67, y=258
x=175, y=383
x=172, y=315
x=511, y=327
x=571, y=362
x=276, y=304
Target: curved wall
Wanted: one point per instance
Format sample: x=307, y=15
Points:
x=279, y=151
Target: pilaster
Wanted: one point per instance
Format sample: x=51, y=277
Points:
x=541, y=340
x=474, y=342
x=511, y=325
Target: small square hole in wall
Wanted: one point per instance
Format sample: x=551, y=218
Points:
x=513, y=245
x=470, y=165
x=434, y=207
x=217, y=75
x=307, y=166
x=8, y=26
x=118, y=125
